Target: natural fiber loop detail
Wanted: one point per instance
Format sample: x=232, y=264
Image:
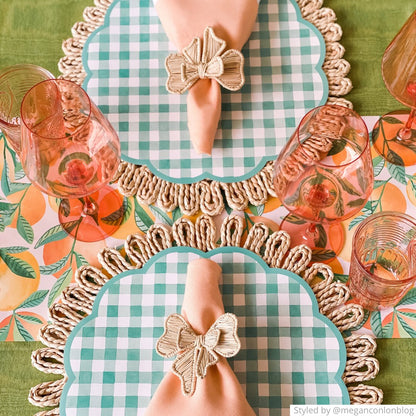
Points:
x=231, y=231
x=159, y=237
x=77, y=298
x=266, y=175
x=360, y=346
x=90, y=279
x=93, y=15
x=112, y=261
x=256, y=237
x=276, y=248
x=103, y=4
x=334, y=51
x=363, y=394
x=197, y=351
x=47, y=394
x=184, y=233
x=168, y=196
x=138, y=249
x=146, y=185
x=205, y=59
x=347, y=316
x=340, y=102
x=127, y=178
x=61, y=313
x=52, y=412
x=188, y=199
x=53, y=336
x=298, y=259
x=256, y=190
x=332, y=296
x=235, y=195
x=210, y=198
x=360, y=369
x=205, y=233
x=317, y=270
x=49, y=360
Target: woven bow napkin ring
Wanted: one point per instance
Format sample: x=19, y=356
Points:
x=195, y=353
x=205, y=61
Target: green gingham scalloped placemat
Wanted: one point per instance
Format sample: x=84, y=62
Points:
x=290, y=353
x=124, y=61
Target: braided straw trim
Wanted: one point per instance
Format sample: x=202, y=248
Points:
x=53, y=412
x=206, y=196
x=47, y=394
x=77, y=299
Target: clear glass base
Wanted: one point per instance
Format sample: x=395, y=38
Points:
x=325, y=240
x=92, y=218
x=394, y=138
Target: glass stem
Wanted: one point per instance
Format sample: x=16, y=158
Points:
x=311, y=230
x=405, y=133
x=90, y=207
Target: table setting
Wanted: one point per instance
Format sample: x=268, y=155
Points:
x=257, y=156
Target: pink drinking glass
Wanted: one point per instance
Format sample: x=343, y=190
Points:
x=323, y=176
x=394, y=135
x=383, y=259
x=70, y=151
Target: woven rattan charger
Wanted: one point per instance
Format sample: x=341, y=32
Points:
x=209, y=197
x=77, y=299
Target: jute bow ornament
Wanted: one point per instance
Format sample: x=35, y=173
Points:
x=195, y=353
x=205, y=61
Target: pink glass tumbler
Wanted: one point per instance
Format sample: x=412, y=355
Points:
x=382, y=266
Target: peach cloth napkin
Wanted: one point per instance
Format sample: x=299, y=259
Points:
x=219, y=393
x=183, y=20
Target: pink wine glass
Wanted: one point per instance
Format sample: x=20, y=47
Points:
x=70, y=151
x=323, y=176
x=394, y=135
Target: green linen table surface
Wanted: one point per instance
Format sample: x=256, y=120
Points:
x=32, y=32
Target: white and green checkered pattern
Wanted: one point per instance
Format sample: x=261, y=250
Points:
x=290, y=353
x=124, y=60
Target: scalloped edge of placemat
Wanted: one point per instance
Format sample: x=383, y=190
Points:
x=209, y=196
x=76, y=301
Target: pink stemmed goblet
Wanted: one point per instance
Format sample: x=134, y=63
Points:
x=394, y=135
x=323, y=176
x=70, y=151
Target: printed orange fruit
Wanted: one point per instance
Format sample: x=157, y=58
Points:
x=56, y=250
x=32, y=205
x=14, y=289
x=345, y=253
x=411, y=190
x=130, y=226
x=272, y=204
x=336, y=266
x=391, y=198
x=30, y=321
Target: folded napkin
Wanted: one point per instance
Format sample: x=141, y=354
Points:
x=219, y=392
x=185, y=20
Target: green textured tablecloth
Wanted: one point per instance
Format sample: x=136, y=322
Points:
x=32, y=32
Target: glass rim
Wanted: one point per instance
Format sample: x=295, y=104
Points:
x=389, y=89
x=56, y=81
x=13, y=68
x=354, y=253
x=365, y=130
x=22, y=67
